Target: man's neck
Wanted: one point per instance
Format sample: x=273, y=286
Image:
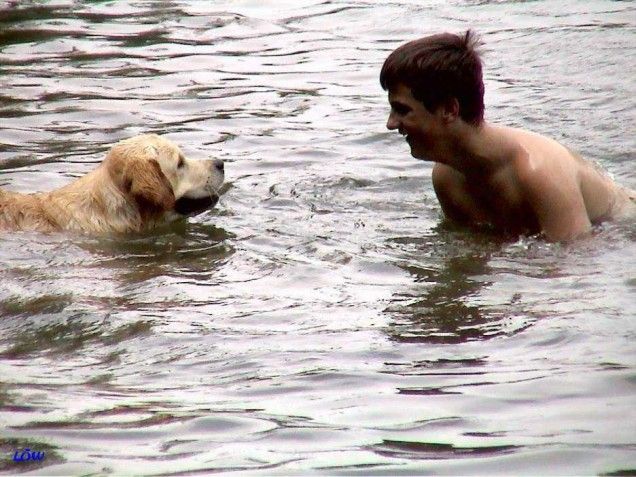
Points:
x=475, y=151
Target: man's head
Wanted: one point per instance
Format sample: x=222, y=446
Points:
x=439, y=69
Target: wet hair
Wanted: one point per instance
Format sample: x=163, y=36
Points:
x=438, y=68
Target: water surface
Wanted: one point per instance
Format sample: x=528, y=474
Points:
x=321, y=319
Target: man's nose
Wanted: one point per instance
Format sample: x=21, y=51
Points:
x=392, y=123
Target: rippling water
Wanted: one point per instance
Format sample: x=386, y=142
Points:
x=319, y=320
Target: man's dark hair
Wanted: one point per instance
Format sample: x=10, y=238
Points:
x=438, y=68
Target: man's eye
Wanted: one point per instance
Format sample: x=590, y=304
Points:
x=401, y=110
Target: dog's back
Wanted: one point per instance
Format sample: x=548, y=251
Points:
x=24, y=212
x=90, y=204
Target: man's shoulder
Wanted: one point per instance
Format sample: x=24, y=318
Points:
x=539, y=157
x=539, y=146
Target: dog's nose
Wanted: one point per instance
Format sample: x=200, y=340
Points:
x=218, y=164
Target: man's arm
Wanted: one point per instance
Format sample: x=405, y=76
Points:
x=454, y=197
x=555, y=196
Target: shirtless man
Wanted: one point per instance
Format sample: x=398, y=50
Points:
x=511, y=180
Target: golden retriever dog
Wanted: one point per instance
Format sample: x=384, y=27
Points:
x=145, y=181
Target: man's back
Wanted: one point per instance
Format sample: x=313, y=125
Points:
x=556, y=163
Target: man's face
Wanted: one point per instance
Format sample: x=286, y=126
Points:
x=409, y=116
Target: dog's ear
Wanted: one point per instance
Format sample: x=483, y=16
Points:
x=148, y=185
x=133, y=167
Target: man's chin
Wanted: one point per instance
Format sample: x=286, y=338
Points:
x=419, y=155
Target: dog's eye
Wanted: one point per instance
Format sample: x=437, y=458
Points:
x=181, y=162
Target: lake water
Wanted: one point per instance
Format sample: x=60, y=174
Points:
x=321, y=319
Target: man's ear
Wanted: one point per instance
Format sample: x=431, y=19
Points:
x=450, y=110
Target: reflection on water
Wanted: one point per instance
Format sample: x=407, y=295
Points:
x=68, y=337
x=445, y=303
x=442, y=314
x=321, y=319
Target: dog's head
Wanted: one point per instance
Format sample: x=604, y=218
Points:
x=153, y=172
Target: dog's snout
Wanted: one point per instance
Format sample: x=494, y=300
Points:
x=218, y=165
